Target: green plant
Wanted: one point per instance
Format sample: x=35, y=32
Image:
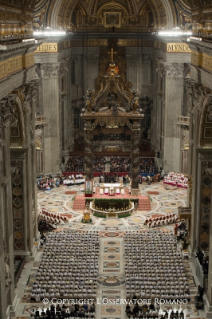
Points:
x=99, y=215
x=88, y=191
x=150, y=198
x=124, y=215
x=86, y=221
x=89, y=199
x=111, y=200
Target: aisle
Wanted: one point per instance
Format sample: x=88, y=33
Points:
x=111, y=283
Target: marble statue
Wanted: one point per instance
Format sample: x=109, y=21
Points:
x=8, y=278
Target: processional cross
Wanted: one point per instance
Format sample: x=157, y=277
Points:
x=112, y=53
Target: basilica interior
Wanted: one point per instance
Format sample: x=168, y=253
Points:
x=105, y=159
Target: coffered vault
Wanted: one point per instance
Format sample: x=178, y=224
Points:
x=95, y=14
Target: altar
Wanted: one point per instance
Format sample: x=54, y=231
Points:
x=111, y=188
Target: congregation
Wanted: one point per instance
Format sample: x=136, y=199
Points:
x=68, y=268
x=99, y=164
x=74, y=180
x=161, y=221
x=176, y=179
x=75, y=164
x=119, y=164
x=48, y=182
x=151, y=273
x=147, y=166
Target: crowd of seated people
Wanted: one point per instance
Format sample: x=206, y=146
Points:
x=160, y=221
x=68, y=268
x=176, y=179
x=119, y=164
x=154, y=267
x=75, y=164
x=44, y=226
x=53, y=218
x=99, y=164
x=58, y=311
x=48, y=182
x=147, y=166
x=111, y=178
x=74, y=180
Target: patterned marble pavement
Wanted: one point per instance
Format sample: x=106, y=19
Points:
x=163, y=201
x=111, y=282
x=167, y=200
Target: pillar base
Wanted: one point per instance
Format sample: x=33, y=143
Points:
x=208, y=308
x=134, y=191
x=65, y=152
x=12, y=308
x=29, y=255
x=192, y=254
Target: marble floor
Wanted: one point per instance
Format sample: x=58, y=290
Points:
x=164, y=200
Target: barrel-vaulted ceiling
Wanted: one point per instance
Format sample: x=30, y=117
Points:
x=121, y=14
x=91, y=15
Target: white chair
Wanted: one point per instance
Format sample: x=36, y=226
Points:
x=122, y=191
x=106, y=191
x=101, y=191
x=117, y=191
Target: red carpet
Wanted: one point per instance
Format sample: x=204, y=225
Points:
x=153, y=193
x=144, y=203
x=71, y=192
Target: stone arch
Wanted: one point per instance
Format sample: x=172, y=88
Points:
x=163, y=11
x=143, y=12
x=129, y=5
x=69, y=15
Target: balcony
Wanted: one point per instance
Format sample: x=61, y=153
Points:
x=183, y=120
x=40, y=120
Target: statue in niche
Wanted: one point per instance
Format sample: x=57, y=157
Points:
x=112, y=103
x=8, y=278
x=89, y=101
x=134, y=103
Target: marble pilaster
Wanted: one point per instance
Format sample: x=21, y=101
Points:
x=135, y=156
x=172, y=75
x=209, y=288
x=88, y=151
x=132, y=69
x=7, y=294
x=50, y=74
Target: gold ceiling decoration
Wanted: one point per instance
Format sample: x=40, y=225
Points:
x=92, y=15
